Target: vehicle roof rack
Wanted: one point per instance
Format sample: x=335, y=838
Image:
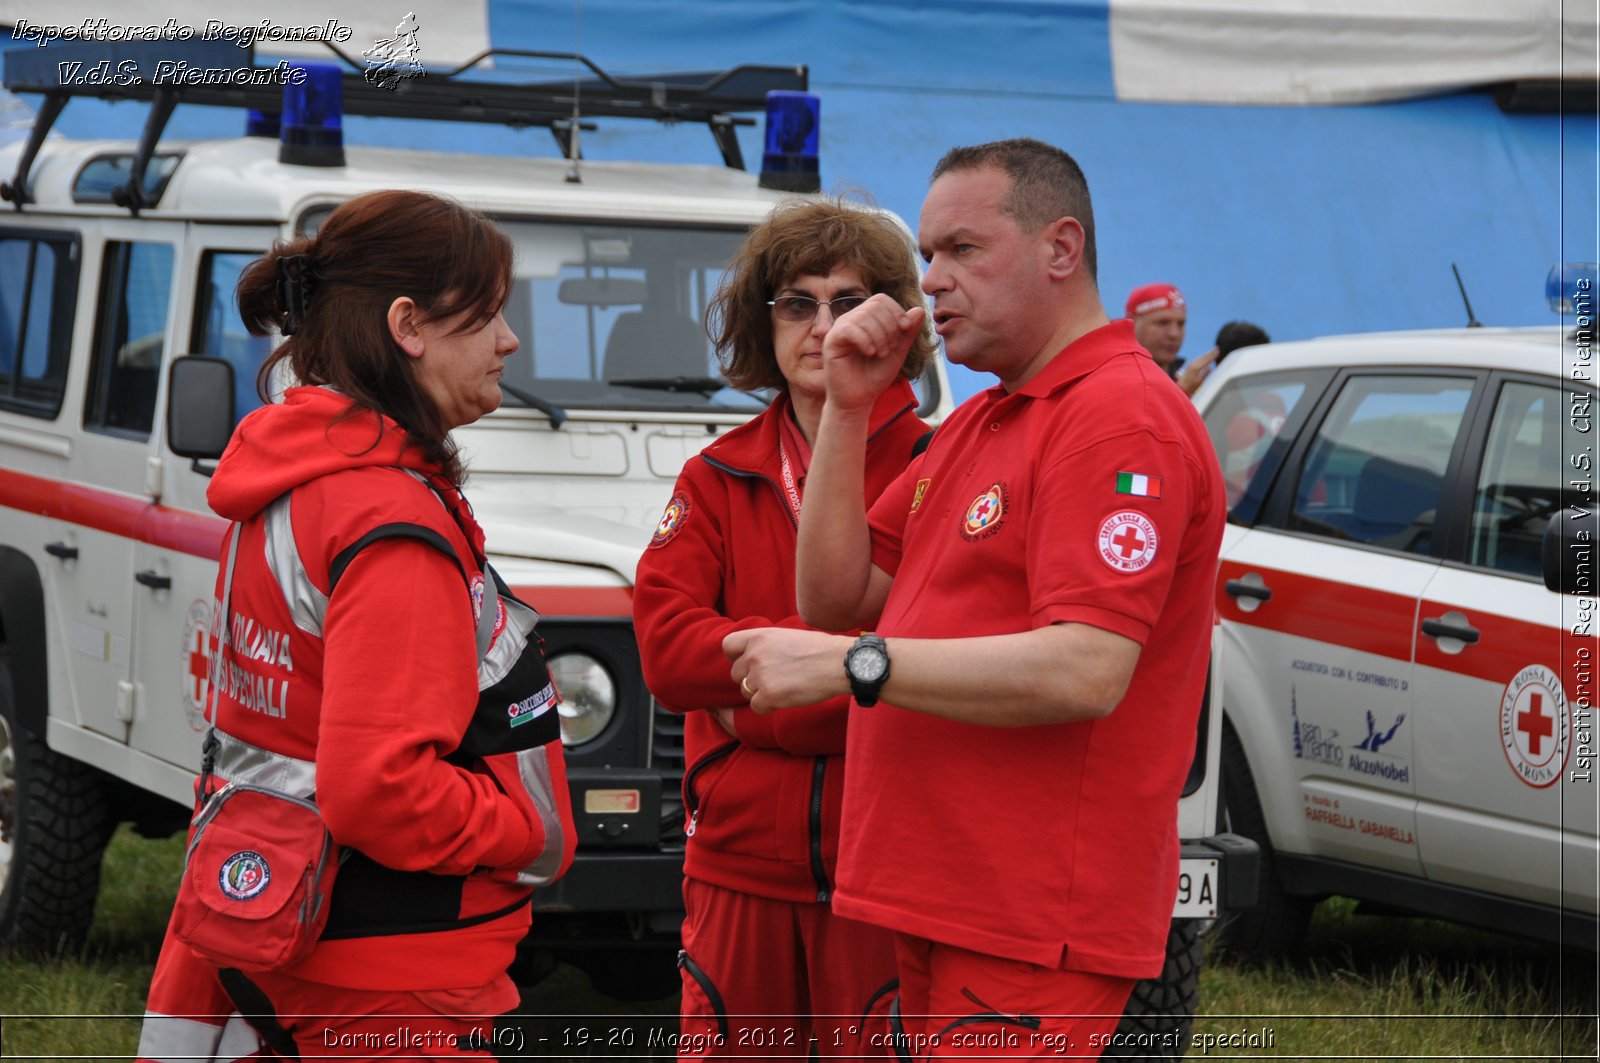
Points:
x=157, y=66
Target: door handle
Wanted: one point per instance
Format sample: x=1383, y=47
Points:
x=61, y=550
x=1240, y=589
x=153, y=579
x=1437, y=627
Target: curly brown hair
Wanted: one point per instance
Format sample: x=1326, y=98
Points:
x=372, y=250
x=807, y=237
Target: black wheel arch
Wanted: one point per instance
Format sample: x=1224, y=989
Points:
x=22, y=627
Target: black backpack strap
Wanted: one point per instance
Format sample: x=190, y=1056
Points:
x=397, y=530
x=922, y=442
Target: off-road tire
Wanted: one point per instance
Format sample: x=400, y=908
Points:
x=1160, y=1011
x=1276, y=926
x=54, y=825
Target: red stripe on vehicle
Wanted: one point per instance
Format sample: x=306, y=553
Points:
x=1506, y=646
x=1360, y=618
x=130, y=516
x=578, y=601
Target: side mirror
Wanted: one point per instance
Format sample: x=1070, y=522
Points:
x=1567, y=555
x=199, y=406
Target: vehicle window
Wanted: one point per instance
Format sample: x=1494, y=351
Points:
x=1244, y=421
x=131, y=337
x=38, y=287
x=610, y=316
x=1519, y=484
x=218, y=329
x=1375, y=469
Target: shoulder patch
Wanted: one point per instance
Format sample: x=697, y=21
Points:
x=1127, y=541
x=672, y=520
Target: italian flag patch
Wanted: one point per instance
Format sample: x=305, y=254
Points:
x=1138, y=484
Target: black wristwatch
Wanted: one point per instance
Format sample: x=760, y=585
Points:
x=867, y=665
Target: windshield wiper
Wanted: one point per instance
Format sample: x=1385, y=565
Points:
x=556, y=414
x=704, y=385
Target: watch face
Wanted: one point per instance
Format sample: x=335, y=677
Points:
x=867, y=664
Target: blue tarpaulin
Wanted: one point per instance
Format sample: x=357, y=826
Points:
x=1306, y=218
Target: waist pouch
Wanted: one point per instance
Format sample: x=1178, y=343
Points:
x=256, y=879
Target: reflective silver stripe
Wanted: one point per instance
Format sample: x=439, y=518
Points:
x=534, y=768
x=488, y=613
x=306, y=604
x=168, y=1039
x=520, y=621
x=239, y=761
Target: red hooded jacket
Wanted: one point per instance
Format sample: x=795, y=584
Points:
x=380, y=697
x=763, y=808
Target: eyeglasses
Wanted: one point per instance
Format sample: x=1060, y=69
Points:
x=804, y=308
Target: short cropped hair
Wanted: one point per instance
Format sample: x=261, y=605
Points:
x=1046, y=184
x=1236, y=334
x=807, y=237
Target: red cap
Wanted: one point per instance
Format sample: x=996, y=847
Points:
x=1149, y=298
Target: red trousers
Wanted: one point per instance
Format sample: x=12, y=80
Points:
x=761, y=978
x=197, y=1012
x=955, y=1003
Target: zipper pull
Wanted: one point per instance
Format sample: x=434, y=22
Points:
x=688, y=832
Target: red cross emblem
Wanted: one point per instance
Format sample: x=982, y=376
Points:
x=194, y=661
x=1536, y=725
x=1127, y=541
x=987, y=512
x=671, y=522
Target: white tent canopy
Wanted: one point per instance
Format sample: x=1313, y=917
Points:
x=1342, y=51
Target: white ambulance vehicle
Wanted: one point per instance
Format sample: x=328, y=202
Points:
x=120, y=346
x=1408, y=594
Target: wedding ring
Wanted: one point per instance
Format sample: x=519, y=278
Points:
x=744, y=685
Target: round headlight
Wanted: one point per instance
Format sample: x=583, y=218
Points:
x=588, y=696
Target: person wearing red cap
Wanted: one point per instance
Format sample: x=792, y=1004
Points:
x=1159, y=315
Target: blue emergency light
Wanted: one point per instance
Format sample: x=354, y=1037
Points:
x=1571, y=287
x=794, y=126
x=262, y=123
x=313, y=117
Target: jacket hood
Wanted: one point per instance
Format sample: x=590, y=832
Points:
x=283, y=445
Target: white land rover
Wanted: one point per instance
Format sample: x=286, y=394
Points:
x=121, y=346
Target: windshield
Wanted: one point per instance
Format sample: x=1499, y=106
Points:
x=610, y=315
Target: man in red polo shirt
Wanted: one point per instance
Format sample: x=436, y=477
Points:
x=1015, y=757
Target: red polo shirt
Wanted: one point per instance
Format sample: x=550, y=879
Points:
x=1092, y=495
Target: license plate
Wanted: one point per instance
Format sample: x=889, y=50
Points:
x=1197, y=890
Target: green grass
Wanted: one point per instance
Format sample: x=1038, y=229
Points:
x=1365, y=988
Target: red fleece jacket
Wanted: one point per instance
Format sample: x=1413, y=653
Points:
x=763, y=807
x=386, y=689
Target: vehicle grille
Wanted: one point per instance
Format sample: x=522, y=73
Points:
x=666, y=756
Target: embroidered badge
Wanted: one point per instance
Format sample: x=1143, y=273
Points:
x=1127, y=541
x=521, y=712
x=986, y=515
x=244, y=875
x=1138, y=484
x=671, y=521
x=922, y=489
x=475, y=588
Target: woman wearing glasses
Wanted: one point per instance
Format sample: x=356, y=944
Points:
x=763, y=953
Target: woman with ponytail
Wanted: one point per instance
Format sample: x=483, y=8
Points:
x=364, y=652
